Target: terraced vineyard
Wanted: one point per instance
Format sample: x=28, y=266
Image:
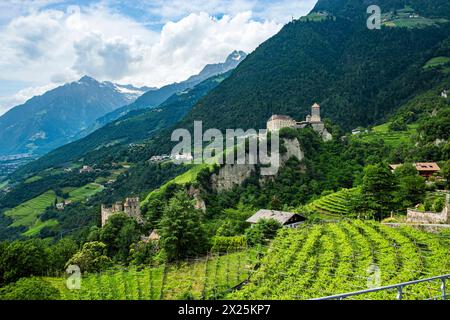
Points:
x=335, y=203
x=322, y=260
x=27, y=214
x=209, y=277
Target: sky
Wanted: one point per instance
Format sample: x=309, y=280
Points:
x=46, y=43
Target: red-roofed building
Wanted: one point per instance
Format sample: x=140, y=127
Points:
x=425, y=169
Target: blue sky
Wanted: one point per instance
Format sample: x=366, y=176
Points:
x=46, y=43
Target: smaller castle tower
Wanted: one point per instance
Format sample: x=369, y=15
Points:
x=132, y=208
x=315, y=113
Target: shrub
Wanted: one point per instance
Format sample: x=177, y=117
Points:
x=227, y=244
x=92, y=258
x=29, y=289
x=262, y=232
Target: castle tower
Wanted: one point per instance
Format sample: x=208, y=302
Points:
x=105, y=214
x=118, y=207
x=132, y=208
x=315, y=113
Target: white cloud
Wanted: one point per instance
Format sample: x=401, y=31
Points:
x=186, y=46
x=280, y=11
x=43, y=46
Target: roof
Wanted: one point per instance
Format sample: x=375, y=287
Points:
x=280, y=216
x=420, y=166
x=427, y=166
x=154, y=235
x=280, y=117
x=316, y=105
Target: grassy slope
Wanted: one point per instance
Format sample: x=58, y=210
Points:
x=391, y=138
x=436, y=62
x=403, y=19
x=85, y=192
x=187, y=177
x=27, y=214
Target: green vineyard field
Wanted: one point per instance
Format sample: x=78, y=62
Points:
x=336, y=203
x=204, y=278
x=309, y=262
x=328, y=259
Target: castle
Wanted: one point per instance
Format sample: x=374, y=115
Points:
x=278, y=122
x=131, y=207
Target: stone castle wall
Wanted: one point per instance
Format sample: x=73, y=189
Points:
x=131, y=207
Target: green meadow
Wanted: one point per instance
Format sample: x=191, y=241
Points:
x=27, y=214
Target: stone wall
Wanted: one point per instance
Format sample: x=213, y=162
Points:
x=415, y=216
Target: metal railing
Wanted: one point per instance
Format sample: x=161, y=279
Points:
x=398, y=286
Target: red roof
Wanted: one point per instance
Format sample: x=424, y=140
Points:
x=427, y=166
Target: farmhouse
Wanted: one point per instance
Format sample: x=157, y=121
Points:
x=62, y=205
x=286, y=219
x=86, y=169
x=425, y=169
x=131, y=207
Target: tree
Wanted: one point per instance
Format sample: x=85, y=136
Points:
x=445, y=172
x=143, y=253
x=29, y=289
x=92, y=258
x=398, y=125
x=119, y=233
x=180, y=228
x=60, y=253
x=234, y=220
x=410, y=186
x=22, y=259
x=261, y=232
x=377, y=188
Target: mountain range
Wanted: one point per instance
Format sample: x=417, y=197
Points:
x=71, y=112
x=154, y=98
x=48, y=121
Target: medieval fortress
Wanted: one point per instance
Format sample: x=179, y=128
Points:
x=131, y=207
x=278, y=122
